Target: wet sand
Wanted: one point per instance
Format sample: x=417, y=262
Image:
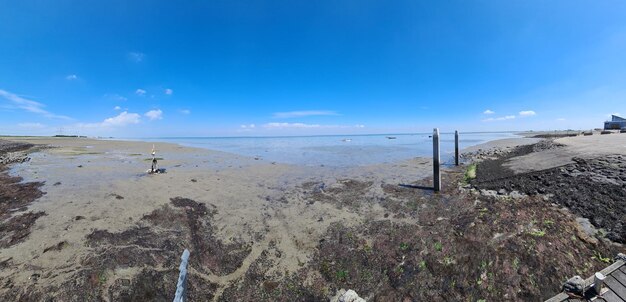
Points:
x=102, y=185
x=263, y=231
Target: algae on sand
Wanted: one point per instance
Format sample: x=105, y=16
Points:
x=470, y=173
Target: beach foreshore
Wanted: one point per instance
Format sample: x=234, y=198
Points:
x=101, y=228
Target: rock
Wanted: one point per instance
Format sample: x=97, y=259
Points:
x=488, y=192
x=585, y=230
x=346, y=296
x=516, y=195
x=547, y=197
x=502, y=192
x=14, y=157
x=574, y=285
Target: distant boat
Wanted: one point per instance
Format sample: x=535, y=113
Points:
x=391, y=137
x=346, y=140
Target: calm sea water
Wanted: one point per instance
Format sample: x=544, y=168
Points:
x=336, y=150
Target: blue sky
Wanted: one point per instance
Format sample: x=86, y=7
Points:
x=231, y=68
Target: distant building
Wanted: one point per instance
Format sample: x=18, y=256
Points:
x=616, y=123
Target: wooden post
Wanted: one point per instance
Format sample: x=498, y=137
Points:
x=456, y=147
x=597, y=282
x=436, y=175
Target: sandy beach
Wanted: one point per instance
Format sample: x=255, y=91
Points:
x=89, y=224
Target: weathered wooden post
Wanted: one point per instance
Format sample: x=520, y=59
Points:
x=436, y=175
x=181, y=286
x=456, y=147
x=598, y=280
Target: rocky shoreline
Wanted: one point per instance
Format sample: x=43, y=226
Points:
x=12, y=152
x=594, y=189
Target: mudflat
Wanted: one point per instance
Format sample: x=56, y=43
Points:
x=101, y=229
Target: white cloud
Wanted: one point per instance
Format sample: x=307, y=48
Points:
x=168, y=91
x=117, y=108
x=307, y=126
x=122, y=119
x=560, y=119
x=185, y=111
x=154, y=114
x=292, y=114
x=136, y=56
x=140, y=92
x=71, y=77
x=503, y=118
x=115, y=97
x=488, y=112
x=29, y=105
x=251, y=126
x=527, y=113
x=31, y=125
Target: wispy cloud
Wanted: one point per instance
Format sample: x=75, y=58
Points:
x=29, y=105
x=185, y=111
x=560, y=119
x=31, y=125
x=71, y=77
x=140, y=92
x=169, y=91
x=307, y=126
x=488, y=112
x=502, y=118
x=115, y=97
x=293, y=114
x=290, y=125
x=116, y=108
x=136, y=56
x=527, y=113
x=156, y=114
x=251, y=126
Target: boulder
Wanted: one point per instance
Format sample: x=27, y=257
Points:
x=346, y=296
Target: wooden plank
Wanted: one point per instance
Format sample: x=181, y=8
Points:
x=609, y=269
x=558, y=298
x=619, y=276
x=618, y=265
x=616, y=287
x=610, y=297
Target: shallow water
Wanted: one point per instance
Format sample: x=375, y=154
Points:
x=337, y=150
